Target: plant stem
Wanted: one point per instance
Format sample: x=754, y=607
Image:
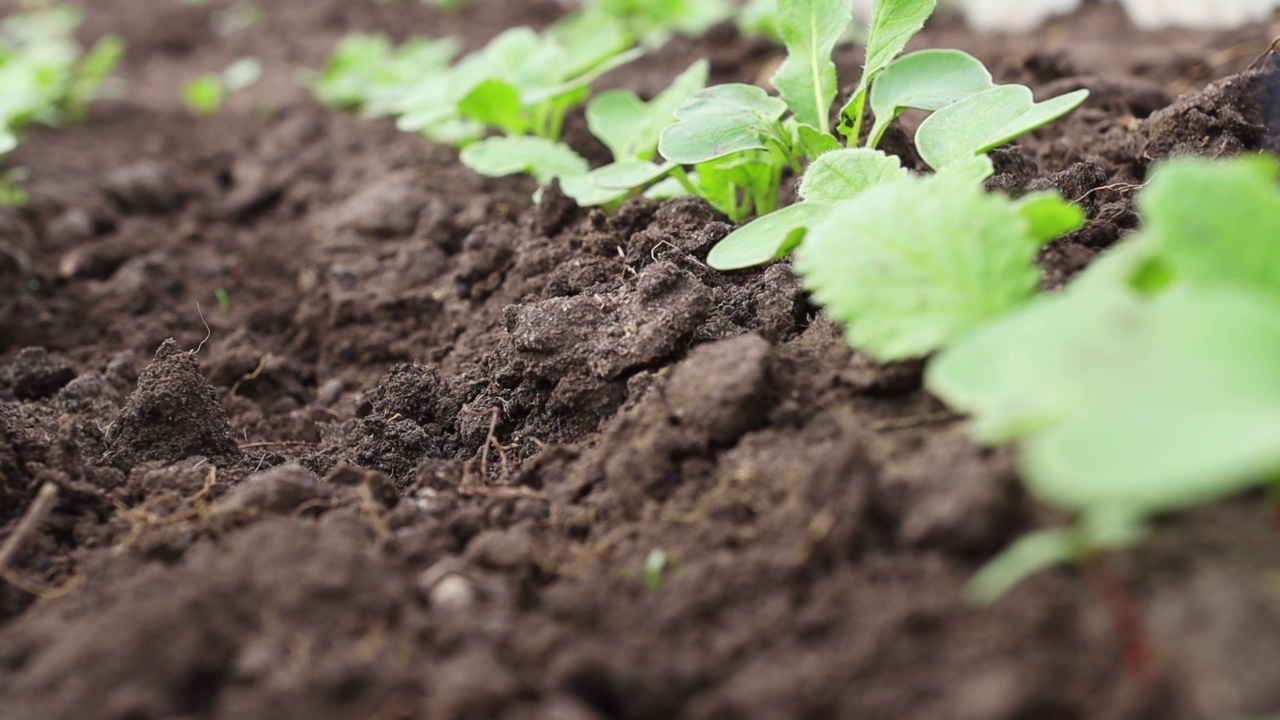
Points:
x=1126, y=616
x=683, y=177
x=859, y=105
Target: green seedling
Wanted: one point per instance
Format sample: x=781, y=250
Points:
x=655, y=566
x=947, y=83
x=367, y=72
x=628, y=126
x=205, y=94
x=522, y=83
x=1151, y=384
x=46, y=76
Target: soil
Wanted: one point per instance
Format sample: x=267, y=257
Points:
x=417, y=462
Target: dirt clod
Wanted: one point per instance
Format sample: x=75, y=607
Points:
x=174, y=414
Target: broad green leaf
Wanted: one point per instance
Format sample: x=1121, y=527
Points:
x=987, y=120
x=926, y=80
x=842, y=174
x=496, y=104
x=807, y=78
x=589, y=39
x=668, y=188
x=975, y=169
x=813, y=143
x=585, y=193
x=582, y=81
x=1214, y=221
x=1027, y=556
x=1019, y=374
x=1050, y=216
x=908, y=281
x=630, y=127
x=357, y=63
x=628, y=174
x=616, y=118
x=893, y=23
x=720, y=121
x=767, y=238
x=1187, y=414
x=541, y=158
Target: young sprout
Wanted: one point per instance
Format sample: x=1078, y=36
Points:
x=205, y=94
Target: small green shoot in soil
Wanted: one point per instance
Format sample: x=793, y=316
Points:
x=205, y=94
x=727, y=128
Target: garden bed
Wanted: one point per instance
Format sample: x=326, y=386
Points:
x=435, y=439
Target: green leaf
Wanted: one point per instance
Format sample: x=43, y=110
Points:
x=1050, y=216
x=203, y=95
x=541, y=158
x=616, y=118
x=807, y=78
x=629, y=174
x=987, y=120
x=630, y=127
x=1178, y=405
x=813, y=143
x=842, y=174
x=766, y=238
x=583, y=81
x=912, y=265
x=587, y=194
x=1020, y=374
x=494, y=103
x=974, y=169
x=720, y=121
x=1214, y=221
x=926, y=80
x=1027, y=556
x=93, y=70
x=893, y=23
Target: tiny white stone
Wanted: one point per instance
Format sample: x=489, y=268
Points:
x=452, y=592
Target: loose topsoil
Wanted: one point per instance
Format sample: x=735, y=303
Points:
x=434, y=434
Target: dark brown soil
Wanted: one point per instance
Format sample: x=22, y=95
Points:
x=417, y=467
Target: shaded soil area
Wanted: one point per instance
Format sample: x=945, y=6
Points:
x=424, y=456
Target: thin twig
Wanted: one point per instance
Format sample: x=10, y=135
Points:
x=491, y=438
x=35, y=515
x=277, y=443
x=1118, y=187
x=1265, y=53
x=257, y=372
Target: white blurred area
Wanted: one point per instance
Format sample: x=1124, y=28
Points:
x=1016, y=15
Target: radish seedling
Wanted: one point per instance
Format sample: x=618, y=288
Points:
x=521, y=83
x=1149, y=385
x=727, y=128
x=368, y=73
x=46, y=76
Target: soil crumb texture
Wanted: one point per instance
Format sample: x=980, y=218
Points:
x=342, y=431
